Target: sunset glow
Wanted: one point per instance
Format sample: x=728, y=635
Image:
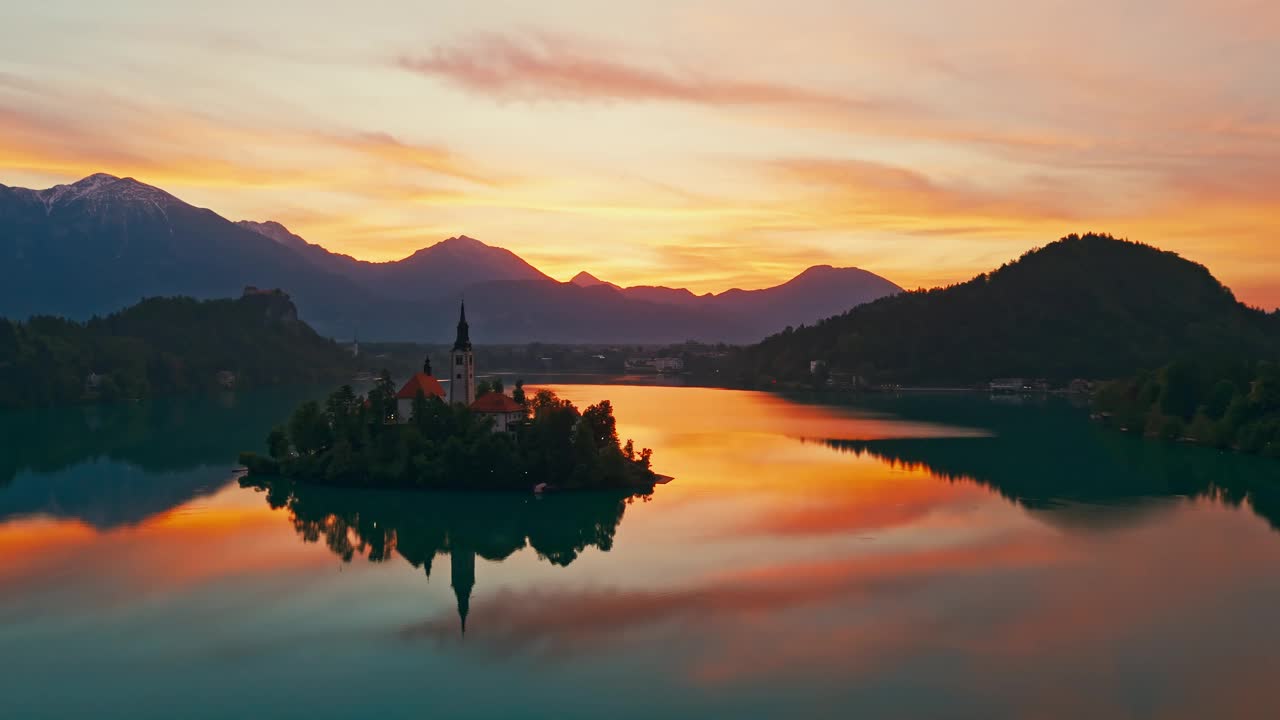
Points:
x=708, y=145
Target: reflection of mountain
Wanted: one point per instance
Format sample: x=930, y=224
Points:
x=1052, y=458
x=418, y=526
x=111, y=465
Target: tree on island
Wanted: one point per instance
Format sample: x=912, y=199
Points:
x=493, y=386
x=348, y=441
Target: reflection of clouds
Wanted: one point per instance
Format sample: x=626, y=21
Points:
x=962, y=594
x=560, y=624
x=898, y=502
x=210, y=541
x=1020, y=624
x=711, y=413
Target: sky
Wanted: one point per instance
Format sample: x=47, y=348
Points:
x=706, y=144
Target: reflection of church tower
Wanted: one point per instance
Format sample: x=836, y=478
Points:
x=463, y=563
x=462, y=388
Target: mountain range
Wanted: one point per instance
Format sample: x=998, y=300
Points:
x=99, y=244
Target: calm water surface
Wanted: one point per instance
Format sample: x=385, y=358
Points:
x=932, y=557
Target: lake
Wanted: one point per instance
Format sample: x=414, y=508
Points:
x=898, y=557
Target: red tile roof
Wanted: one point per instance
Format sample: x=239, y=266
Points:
x=496, y=403
x=424, y=382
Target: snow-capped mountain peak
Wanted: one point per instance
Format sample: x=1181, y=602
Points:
x=101, y=189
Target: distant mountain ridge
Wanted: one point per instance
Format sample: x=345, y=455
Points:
x=818, y=292
x=102, y=243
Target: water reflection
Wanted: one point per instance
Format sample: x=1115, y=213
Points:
x=113, y=465
x=1049, y=459
x=419, y=526
x=909, y=557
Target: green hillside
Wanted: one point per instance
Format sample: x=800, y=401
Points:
x=1223, y=405
x=1083, y=307
x=161, y=346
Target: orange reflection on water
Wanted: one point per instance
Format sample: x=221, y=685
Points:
x=231, y=533
x=772, y=561
x=25, y=544
x=743, y=457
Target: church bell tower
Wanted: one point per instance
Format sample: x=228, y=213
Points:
x=462, y=364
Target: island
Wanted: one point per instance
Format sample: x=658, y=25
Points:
x=470, y=437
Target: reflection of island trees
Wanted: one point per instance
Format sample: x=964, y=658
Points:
x=1041, y=457
x=418, y=526
x=157, y=454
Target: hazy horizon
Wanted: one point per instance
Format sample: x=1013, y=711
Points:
x=706, y=146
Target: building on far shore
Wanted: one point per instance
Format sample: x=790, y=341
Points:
x=660, y=365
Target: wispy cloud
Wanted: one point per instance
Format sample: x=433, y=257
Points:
x=433, y=158
x=129, y=137
x=546, y=67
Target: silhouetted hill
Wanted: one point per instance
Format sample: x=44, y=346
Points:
x=444, y=269
x=818, y=292
x=557, y=313
x=448, y=268
x=1093, y=307
x=164, y=345
x=104, y=242
x=586, y=279
x=319, y=257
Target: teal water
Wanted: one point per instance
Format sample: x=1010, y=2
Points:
x=919, y=556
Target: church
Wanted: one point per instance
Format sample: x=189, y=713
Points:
x=505, y=411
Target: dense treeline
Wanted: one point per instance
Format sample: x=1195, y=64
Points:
x=356, y=440
x=1084, y=307
x=1222, y=405
x=163, y=346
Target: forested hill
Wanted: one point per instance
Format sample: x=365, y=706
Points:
x=161, y=346
x=1083, y=307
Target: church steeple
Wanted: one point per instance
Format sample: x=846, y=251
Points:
x=462, y=364
x=463, y=341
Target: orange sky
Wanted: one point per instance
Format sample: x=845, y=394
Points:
x=706, y=144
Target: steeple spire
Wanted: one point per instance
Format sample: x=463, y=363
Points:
x=463, y=341
x=462, y=364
